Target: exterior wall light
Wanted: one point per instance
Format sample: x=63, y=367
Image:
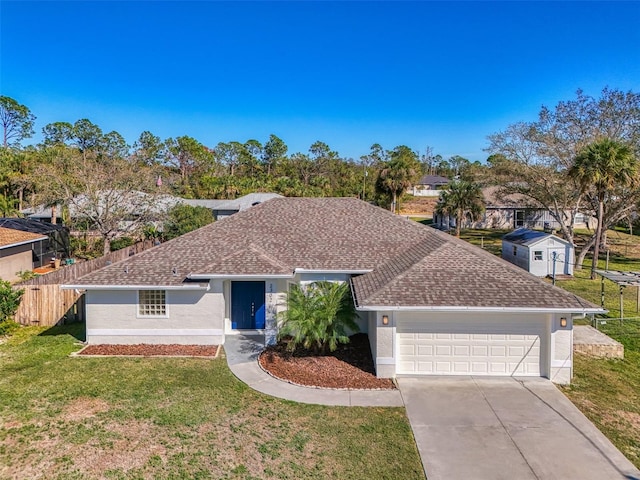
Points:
x=563, y=322
x=385, y=319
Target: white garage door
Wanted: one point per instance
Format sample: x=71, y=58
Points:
x=465, y=345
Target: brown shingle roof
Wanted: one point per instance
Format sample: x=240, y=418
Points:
x=9, y=236
x=410, y=264
x=447, y=272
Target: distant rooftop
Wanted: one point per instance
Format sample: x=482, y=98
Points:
x=524, y=236
x=10, y=237
x=435, y=180
x=29, y=225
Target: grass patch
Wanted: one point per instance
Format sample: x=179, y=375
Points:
x=130, y=418
x=608, y=393
x=488, y=239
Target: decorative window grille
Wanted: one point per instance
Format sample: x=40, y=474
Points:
x=152, y=303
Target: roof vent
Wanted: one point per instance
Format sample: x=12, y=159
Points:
x=174, y=270
x=126, y=269
x=108, y=262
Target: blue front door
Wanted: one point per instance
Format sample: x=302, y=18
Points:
x=247, y=305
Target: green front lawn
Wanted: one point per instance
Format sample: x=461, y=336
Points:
x=128, y=418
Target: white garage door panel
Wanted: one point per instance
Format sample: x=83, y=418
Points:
x=469, y=346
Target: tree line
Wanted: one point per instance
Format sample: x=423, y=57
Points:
x=190, y=169
x=580, y=156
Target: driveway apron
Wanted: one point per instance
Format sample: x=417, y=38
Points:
x=506, y=428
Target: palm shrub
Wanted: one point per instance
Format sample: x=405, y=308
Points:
x=318, y=316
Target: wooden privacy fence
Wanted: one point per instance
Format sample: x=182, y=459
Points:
x=45, y=303
x=48, y=305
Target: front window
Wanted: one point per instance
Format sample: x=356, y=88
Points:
x=152, y=303
x=537, y=255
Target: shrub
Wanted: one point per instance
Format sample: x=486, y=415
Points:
x=186, y=218
x=318, y=316
x=9, y=303
x=26, y=275
x=122, y=242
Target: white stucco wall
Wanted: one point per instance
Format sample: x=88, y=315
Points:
x=385, y=353
x=561, y=360
x=193, y=317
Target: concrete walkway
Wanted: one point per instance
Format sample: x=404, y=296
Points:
x=506, y=428
x=242, y=356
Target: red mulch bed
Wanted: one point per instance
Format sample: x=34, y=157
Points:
x=350, y=366
x=145, y=350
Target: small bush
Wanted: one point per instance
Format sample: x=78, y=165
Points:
x=8, y=327
x=26, y=275
x=122, y=242
x=9, y=303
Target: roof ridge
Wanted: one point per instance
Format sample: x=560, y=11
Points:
x=406, y=269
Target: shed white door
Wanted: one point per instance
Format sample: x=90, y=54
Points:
x=470, y=345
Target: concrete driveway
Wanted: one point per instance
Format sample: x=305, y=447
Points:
x=503, y=428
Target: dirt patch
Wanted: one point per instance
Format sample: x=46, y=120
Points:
x=632, y=417
x=83, y=408
x=136, y=444
x=418, y=205
x=145, y=350
x=350, y=366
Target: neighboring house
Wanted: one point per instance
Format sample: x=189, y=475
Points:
x=430, y=303
x=511, y=212
x=54, y=245
x=16, y=252
x=153, y=207
x=538, y=252
x=225, y=208
x=429, y=186
x=43, y=213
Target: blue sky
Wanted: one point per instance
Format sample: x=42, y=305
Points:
x=438, y=74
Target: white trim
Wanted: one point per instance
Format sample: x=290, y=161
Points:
x=246, y=331
x=208, y=276
x=385, y=361
x=375, y=308
x=561, y=364
x=21, y=243
x=161, y=332
x=354, y=272
x=204, y=276
x=135, y=287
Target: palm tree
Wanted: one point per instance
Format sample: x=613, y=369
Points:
x=318, y=316
x=601, y=167
x=396, y=176
x=462, y=200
